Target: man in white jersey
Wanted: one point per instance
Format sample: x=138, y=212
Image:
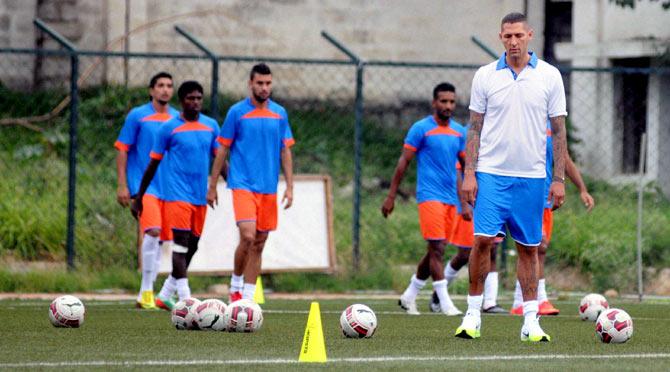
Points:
x=505, y=165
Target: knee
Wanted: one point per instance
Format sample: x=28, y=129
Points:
x=436, y=250
x=153, y=232
x=542, y=249
x=462, y=257
x=247, y=238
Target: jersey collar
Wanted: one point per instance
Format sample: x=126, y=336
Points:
x=502, y=62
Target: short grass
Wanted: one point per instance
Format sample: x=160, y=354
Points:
x=117, y=336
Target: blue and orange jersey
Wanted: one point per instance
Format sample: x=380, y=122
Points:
x=190, y=146
x=550, y=167
x=256, y=137
x=437, y=150
x=136, y=138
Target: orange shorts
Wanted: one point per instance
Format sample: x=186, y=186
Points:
x=464, y=233
x=151, y=217
x=436, y=220
x=547, y=224
x=252, y=206
x=184, y=216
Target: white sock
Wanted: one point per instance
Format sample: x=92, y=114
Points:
x=248, y=291
x=413, y=289
x=440, y=287
x=236, y=283
x=169, y=287
x=541, y=291
x=475, y=305
x=491, y=290
x=183, y=289
x=157, y=260
x=530, y=309
x=449, y=273
x=149, y=251
x=518, y=296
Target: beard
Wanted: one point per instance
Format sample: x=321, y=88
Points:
x=162, y=102
x=260, y=99
x=444, y=115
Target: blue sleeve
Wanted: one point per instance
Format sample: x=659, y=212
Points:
x=128, y=134
x=414, y=138
x=161, y=141
x=215, y=144
x=287, y=139
x=229, y=127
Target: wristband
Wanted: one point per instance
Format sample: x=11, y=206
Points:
x=558, y=179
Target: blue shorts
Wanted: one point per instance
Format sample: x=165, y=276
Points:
x=515, y=201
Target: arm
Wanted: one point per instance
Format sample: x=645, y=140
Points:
x=403, y=162
x=576, y=177
x=560, y=148
x=287, y=166
x=217, y=169
x=469, y=188
x=466, y=211
x=149, y=174
x=122, y=193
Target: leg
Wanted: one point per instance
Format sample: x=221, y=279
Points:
x=180, y=249
x=253, y=268
x=479, y=264
x=491, y=286
x=247, y=239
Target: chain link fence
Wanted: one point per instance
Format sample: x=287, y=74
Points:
x=609, y=111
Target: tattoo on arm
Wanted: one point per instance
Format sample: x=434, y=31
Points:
x=472, y=144
x=560, y=145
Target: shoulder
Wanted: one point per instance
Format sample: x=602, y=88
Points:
x=487, y=69
x=240, y=107
x=277, y=108
x=548, y=69
x=139, y=112
x=422, y=125
x=460, y=128
x=207, y=120
x=173, y=112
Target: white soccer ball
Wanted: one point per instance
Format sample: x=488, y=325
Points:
x=358, y=321
x=209, y=315
x=67, y=311
x=183, y=314
x=591, y=306
x=614, y=326
x=243, y=316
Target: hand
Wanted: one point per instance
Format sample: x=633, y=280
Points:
x=136, y=208
x=212, y=197
x=123, y=196
x=469, y=187
x=287, y=200
x=557, y=194
x=588, y=201
x=466, y=212
x=387, y=206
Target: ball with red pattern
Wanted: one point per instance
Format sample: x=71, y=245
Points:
x=614, y=326
x=67, y=311
x=184, y=315
x=243, y=316
x=358, y=321
x=209, y=315
x=591, y=306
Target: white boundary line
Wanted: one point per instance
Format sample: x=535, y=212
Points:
x=169, y=363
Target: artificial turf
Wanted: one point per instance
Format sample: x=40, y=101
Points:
x=115, y=335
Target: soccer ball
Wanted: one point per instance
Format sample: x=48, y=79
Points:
x=358, y=321
x=614, y=326
x=243, y=316
x=183, y=314
x=209, y=315
x=67, y=311
x=591, y=306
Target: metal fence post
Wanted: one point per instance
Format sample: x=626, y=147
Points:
x=74, y=116
x=640, y=197
x=358, y=144
x=214, y=98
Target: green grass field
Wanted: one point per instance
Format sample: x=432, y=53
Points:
x=115, y=336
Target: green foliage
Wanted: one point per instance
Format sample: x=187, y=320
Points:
x=33, y=202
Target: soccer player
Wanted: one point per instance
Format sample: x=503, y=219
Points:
x=504, y=173
x=438, y=142
x=190, y=142
x=133, y=145
x=545, y=306
x=258, y=136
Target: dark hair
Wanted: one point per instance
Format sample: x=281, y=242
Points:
x=514, y=17
x=261, y=69
x=154, y=79
x=443, y=87
x=187, y=87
